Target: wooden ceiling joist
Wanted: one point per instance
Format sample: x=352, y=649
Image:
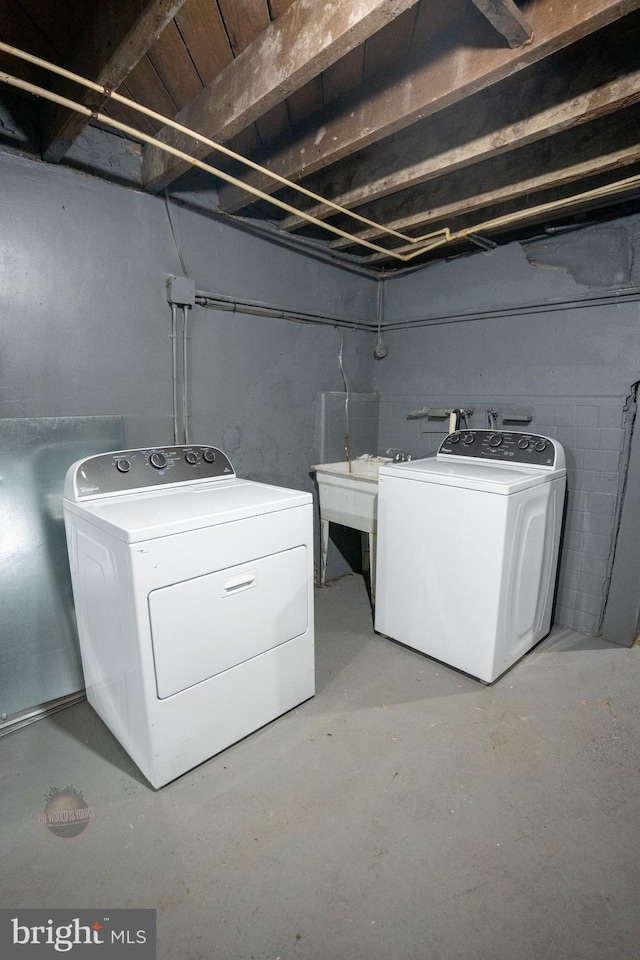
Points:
x=423, y=87
x=371, y=118
x=505, y=16
x=575, y=155
x=115, y=39
x=546, y=208
x=313, y=36
x=460, y=138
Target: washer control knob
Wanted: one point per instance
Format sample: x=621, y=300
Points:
x=523, y=443
x=191, y=456
x=495, y=439
x=123, y=465
x=158, y=460
x=209, y=455
x=454, y=438
x=468, y=438
x=541, y=445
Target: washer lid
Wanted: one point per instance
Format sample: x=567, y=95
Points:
x=162, y=513
x=486, y=477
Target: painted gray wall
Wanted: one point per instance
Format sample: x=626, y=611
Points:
x=84, y=321
x=571, y=365
x=621, y=623
x=594, y=260
x=256, y=380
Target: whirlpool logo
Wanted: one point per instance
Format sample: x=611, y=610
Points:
x=83, y=933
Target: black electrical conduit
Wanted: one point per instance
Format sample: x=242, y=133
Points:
x=216, y=301
x=627, y=295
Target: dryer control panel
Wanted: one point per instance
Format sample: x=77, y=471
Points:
x=126, y=471
x=502, y=446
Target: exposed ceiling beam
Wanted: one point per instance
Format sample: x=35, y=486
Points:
x=604, y=146
x=117, y=37
x=547, y=207
x=505, y=16
x=294, y=49
x=461, y=137
x=427, y=84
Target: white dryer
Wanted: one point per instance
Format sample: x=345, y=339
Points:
x=468, y=548
x=194, y=599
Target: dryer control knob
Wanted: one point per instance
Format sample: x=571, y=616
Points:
x=495, y=439
x=209, y=455
x=454, y=438
x=123, y=465
x=468, y=438
x=191, y=457
x=158, y=460
x=523, y=443
x=541, y=445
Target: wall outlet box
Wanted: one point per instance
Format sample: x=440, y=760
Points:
x=181, y=291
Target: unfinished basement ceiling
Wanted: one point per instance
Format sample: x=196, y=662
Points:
x=418, y=115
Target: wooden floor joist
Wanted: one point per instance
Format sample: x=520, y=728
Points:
x=293, y=49
x=423, y=87
x=507, y=19
x=579, y=153
x=114, y=41
x=530, y=109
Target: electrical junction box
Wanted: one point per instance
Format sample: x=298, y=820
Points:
x=181, y=291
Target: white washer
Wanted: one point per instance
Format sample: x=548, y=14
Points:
x=468, y=548
x=194, y=600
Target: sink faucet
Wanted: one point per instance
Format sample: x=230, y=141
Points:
x=399, y=456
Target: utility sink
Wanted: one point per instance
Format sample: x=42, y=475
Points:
x=349, y=495
x=349, y=491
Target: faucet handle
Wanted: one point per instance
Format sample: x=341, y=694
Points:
x=399, y=456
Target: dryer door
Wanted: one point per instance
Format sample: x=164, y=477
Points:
x=206, y=625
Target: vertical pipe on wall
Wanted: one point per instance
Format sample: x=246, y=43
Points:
x=185, y=382
x=174, y=370
x=620, y=620
x=380, y=349
x=346, y=400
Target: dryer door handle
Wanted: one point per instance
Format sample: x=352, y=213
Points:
x=243, y=581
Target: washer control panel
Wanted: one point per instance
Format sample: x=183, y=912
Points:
x=128, y=470
x=502, y=446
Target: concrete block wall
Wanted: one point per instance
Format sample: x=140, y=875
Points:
x=85, y=324
x=592, y=432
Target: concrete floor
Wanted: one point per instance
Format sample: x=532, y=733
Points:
x=406, y=813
